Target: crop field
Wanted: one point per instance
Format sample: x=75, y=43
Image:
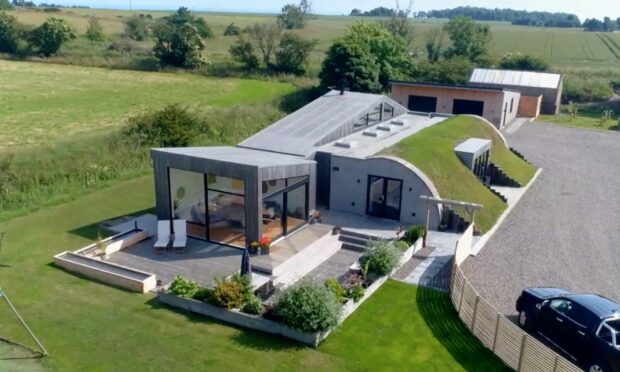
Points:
x=563, y=48
x=43, y=103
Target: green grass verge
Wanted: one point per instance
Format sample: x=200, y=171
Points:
x=580, y=122
x=44, y=103
x=90, y=326
x=432, y=151
x=417, y=326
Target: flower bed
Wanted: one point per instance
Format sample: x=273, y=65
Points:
x=269, y=321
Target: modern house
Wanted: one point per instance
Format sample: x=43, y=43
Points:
x=531, y=84
x=327, y=155
x=498, y=105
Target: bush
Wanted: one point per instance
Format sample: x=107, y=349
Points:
x=253, y=305
x=179, y=45
x=579, y=89
x=292, y=54
x=49, y=37
x=413, y=233
x=381, y=258
x=228, y=293
x=94, y=31
x=204, y=295
x=232, y=30
x=402, y=245
x=309, y=307
x=243, y=52
x=183, y=288
x=136, y=28
x=356, y=292
x=525, y=62
x=336, y=288
x=174, y=126
x=126, y=45
x=9, y=33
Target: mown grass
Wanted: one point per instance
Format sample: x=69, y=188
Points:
x=90, y=326
x=44, y=103
x=432, y=151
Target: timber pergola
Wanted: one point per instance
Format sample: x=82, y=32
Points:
x=471, y=209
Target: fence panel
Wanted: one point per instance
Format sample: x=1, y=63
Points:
x=456, y=288
x=508, y=344
x=485, y=323
x=468, y=302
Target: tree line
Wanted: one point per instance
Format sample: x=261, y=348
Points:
x=516, y=17
x=606, y=25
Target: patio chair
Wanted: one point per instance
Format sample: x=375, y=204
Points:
x=163, y=236
x=180, y=236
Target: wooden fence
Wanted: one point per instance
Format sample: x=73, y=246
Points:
x=516, y=348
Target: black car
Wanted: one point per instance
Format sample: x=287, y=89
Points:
x=585, y=326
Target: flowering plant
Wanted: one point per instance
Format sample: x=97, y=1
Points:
x=264, y=241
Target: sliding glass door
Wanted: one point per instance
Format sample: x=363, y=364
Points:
x=187, y=196
x=285, y=206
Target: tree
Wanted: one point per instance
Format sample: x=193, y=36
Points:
x=446, y=71
x=9, y=33
x=243, y=52
x=292, y=54
x=184, y=15
x=593, y=25
x=49, y=36
x=356, y=12
x=5, y=5
x=295, y=17
x=365, y=59
x=525, y=62
x=399, y=23
x=469, y=39
x=94, y=31
x=609, y=25
x=136, y=28
x=435, y=43
x=266, y=37
x=232, y=30
x=179, y=45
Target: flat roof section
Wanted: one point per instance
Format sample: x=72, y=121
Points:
x=514, y=78
x=237, y=155
x=316, y=123
x=455, y=87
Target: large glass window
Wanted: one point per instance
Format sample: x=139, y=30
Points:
x=187, y=195
x=226, y=184
x=227, y=218
x=284, y=206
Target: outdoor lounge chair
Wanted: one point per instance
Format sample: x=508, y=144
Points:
x=163, y=236
x=180, y=236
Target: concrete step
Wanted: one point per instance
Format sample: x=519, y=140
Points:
x=353, y=239
x=353, y=233
x=354, y=247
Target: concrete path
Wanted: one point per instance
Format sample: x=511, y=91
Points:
x=564, y=231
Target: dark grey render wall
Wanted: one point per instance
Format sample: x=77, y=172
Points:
x=251, y=175
x=349, y=187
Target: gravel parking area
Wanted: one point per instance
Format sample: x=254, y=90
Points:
x=565, y=231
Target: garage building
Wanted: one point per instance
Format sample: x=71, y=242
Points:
x=498, y=105
x=530, y=84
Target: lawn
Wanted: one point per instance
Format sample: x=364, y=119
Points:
x=432, y=151
x=43, y=103
x=580, y=122
x=94, y=327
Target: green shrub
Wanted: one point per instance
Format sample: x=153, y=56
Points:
x=592, y=89
x=309, y=307
x=381, y=258
x=336, y=288
x=413, y=233
x=402, y=245
x=136, y=28
x=253, y=305
x=94, y=32
x=525, y=62
x=228, y=293
x=183, y=288
x=50, y=35
x=9, y=33
x=204, y=295
x=232, y=30
x=174, y=126
x=356, y=292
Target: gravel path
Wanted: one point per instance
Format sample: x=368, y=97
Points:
x=565, y=231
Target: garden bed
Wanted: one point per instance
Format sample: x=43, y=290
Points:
x=260, y=323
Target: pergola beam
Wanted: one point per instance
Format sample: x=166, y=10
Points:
x=471, y=209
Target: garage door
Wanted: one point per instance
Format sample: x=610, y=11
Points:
x=464, y=106
x=422, y=103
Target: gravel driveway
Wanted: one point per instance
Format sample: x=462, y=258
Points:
x=565, y=231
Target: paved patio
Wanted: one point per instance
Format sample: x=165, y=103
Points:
x=203, y=261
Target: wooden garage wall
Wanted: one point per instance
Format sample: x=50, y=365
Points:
x=529, y=106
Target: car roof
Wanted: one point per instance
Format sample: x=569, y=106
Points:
x=597, y=304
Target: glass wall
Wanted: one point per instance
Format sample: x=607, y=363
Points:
x=285, y=206
x=220, y=217
x=187, y=196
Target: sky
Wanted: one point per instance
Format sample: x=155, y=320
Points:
x=584, y=9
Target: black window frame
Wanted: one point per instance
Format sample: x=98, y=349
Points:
x=400, y=204
x=284, y=192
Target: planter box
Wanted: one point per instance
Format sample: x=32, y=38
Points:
x=125, y=242
x=241, y=319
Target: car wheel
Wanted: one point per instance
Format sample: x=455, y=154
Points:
x=525, y=321
x=597, y=367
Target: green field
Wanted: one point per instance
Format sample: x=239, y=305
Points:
x=563, y=48
x=46, y=102
x=432, y=150
x=95, y=327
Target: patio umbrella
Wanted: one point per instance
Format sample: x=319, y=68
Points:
x=245, y=263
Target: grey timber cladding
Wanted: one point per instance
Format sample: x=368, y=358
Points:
x=324, y=120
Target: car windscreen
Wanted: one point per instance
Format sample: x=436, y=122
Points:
x=615, y=324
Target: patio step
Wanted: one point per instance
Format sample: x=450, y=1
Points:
x=355, y=241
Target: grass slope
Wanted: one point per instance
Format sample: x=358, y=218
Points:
x=420, y=329
x=42, y=103
x=94, y=327
x=432, y=151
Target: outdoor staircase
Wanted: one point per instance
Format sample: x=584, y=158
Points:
x=452, y=221
x=498, y=177
x=355, y=241
x=519, y=155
